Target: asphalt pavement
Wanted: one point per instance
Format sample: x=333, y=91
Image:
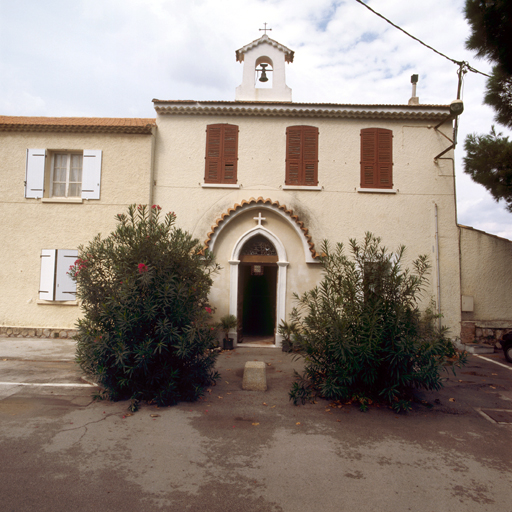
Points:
x=238, y=450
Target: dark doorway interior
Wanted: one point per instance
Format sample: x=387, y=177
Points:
x=259, y=300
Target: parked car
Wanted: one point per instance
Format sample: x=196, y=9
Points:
x=506, y=343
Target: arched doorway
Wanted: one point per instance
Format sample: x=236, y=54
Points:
x=238, y=272
x=283, y=223
x=257, y=291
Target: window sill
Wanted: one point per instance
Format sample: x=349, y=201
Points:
x=77, y=200
x=377, y=190
x=40, y=302
x=302, y=187
x=220, y=185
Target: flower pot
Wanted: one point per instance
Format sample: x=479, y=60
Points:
x=227, y=344
x=286, y=346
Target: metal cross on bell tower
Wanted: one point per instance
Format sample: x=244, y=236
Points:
x=265, y=29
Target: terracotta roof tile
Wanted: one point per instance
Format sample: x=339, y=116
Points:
x=78, y=124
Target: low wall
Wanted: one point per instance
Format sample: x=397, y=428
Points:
x=33, y=332
x=486, y=286
x=484, y=332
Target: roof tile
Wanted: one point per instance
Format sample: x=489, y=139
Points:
x=78, y=124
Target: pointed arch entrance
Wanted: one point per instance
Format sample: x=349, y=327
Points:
x=285, y=223
x=257, y=295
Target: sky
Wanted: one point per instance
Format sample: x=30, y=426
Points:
x=110, y=58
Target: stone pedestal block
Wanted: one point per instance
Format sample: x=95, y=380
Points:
x=255, y=377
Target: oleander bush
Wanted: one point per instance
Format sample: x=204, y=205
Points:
x=145, y=332
x=361, y=331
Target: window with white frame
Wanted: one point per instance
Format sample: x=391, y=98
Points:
x=63, y=174
x=55, y=283
x=66, y=175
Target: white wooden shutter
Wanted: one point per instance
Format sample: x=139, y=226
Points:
x=65, y=288
x=34, y=175
x=46, y=284
x=91, y=174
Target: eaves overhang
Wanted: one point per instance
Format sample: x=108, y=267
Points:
x=307, y=110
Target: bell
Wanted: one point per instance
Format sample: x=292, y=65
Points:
x=263, y=77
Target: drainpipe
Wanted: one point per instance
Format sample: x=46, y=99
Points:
x=437, y=267
x=152, y=183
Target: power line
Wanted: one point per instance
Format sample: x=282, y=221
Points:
x=462, y=64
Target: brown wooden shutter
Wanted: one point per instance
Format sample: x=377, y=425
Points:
x=213, y=154
x=301, y=155
x=293, y=140
x=221, y=153
x=385, y=158
x=368, y=158
x=376, y=158
x=310, y=156
x=230, y=153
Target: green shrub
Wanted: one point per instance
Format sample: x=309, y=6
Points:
x=145, y=332
x=361, y=332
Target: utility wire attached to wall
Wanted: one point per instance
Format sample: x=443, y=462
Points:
x=462, y=64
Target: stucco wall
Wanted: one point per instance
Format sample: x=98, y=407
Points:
x=337, y=211
x=30, y=225
x=486, y=276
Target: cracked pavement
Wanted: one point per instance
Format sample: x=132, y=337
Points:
x=238, y=450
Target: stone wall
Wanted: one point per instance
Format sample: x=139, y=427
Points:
x=32, y=332
x=488, y=333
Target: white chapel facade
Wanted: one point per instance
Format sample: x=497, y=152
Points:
x=266, y=180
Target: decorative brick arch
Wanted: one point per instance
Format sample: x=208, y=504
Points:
x=311, y=255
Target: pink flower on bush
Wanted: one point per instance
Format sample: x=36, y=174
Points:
x=156, y=207
x=142, y=268
x=79, y=264
x=208, y=310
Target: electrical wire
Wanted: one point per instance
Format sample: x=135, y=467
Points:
x=460, y=63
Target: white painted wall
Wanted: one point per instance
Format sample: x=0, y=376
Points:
x=486, y=275
x=30, y=225
x=337, y=211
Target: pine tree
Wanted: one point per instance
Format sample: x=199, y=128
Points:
x=491, y=37
x=488, y=161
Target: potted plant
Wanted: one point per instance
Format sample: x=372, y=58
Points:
x=227, y=322
x=287, y=330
